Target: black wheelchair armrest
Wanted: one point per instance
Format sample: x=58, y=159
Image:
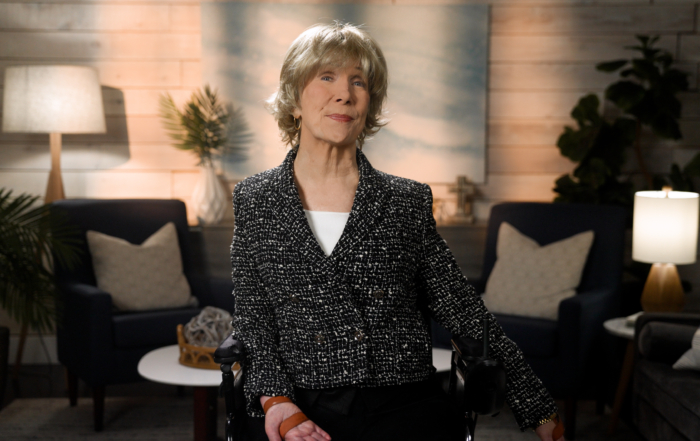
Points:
x=230, y=351
x=477, y=381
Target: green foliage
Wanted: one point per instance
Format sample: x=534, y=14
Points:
x=646, y=96
x=31, y=237
x=205, y=126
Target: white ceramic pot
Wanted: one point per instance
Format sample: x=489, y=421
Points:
x=209, y=199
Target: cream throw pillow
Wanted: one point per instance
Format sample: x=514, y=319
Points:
x=141, y=277
x=531, y=280
x=691, y=358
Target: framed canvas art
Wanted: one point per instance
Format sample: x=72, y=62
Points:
x=437, y=58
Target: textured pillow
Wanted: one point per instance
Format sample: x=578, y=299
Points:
x=691, y=359
x=141, y=277
x=531, y=280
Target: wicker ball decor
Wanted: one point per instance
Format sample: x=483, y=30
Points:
x=201, y=336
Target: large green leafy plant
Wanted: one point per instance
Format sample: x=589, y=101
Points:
x=644, y=97
x=205, y=126
x=31, y=237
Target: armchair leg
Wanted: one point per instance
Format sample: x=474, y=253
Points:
x=570, y=418
x=98, y=401
x=72, y=384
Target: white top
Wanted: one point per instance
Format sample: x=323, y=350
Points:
x=162, y=366
x=327, y=227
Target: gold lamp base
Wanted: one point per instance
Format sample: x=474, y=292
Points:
x=663, y=291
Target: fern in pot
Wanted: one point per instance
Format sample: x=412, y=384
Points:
x=210, y=129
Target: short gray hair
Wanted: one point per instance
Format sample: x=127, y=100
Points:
x=335, y=44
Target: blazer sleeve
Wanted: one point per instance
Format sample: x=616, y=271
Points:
x=455, y=304
x=254, y=321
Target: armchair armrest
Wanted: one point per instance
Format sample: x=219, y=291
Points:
x=213, y=291
x=581, y=319
x=86, y=315
x=665, y=336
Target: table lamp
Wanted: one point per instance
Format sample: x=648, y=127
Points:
x=53, y=100
x=665, y=234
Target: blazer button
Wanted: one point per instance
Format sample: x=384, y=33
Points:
x=294, y=298
x=320, y=339
x=359, y=335
x=378, y=294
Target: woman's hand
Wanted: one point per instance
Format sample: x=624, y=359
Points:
x=306, y=431
x=545, y=432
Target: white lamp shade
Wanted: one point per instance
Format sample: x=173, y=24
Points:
x=52, y=99
x=665, y=229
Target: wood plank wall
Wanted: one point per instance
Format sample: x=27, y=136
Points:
x=542, y=57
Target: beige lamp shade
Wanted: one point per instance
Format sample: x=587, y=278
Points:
x=665, y=228
x=52, y=99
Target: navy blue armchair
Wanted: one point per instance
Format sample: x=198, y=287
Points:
x=567, y=353
x=97, y=344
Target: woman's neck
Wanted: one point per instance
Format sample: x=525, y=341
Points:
x=321, y=163
x=326, y=179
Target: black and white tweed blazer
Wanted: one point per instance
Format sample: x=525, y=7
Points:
x=352, y=318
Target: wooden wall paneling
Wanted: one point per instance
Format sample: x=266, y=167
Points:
x=144, y=73
x=597, y=19
x=567, y=48
x=690, y=48
x=191, y=74
x=84, y=17
x=185, y=17
x=118, y=184
x=525, y=187
x=135, y=102
x=526, y=132
x=73, y=46
x=31, y=182
x=534, y=105
x=523, y=160
x=159, y=157
x=560, y=76
x=183, y=183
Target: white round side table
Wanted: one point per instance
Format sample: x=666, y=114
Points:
x=162, y=366
x=618, y=327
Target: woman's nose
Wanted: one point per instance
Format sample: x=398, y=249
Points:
x=343, y=93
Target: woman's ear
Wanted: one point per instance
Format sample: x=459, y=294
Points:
x=296, y=113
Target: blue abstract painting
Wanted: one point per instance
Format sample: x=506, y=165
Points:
x=437, y=58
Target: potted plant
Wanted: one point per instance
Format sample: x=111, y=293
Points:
x=31, y=237
x=644, y=99
x=210, y=130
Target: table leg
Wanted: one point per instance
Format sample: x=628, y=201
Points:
x=205, y=403
x=622, y=386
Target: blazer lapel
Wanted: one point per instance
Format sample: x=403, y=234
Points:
x=370, y=199
x=290, y=213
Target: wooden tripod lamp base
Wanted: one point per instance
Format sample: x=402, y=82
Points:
x=663, y=291
x=54, y=188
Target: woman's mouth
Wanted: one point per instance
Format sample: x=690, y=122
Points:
x=340, y=118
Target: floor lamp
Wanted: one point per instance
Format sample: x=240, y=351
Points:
x=53, y=100
x=665, y=234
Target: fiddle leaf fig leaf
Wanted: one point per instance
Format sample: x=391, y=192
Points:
x=610, y=66
x=625, y=94
x=575, y=144
x=693, y=167
x=666, y=126
x=586, y=111
x=675, y=80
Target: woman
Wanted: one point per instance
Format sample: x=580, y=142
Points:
x=331, y=260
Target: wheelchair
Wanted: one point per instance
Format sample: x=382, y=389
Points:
x=477, y=382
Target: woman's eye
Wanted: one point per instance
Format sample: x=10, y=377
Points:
x=359, y=83
x=326, y=78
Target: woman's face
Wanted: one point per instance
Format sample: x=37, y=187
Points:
x=334, y=106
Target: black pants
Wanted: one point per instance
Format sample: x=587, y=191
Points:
x=415, y=411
